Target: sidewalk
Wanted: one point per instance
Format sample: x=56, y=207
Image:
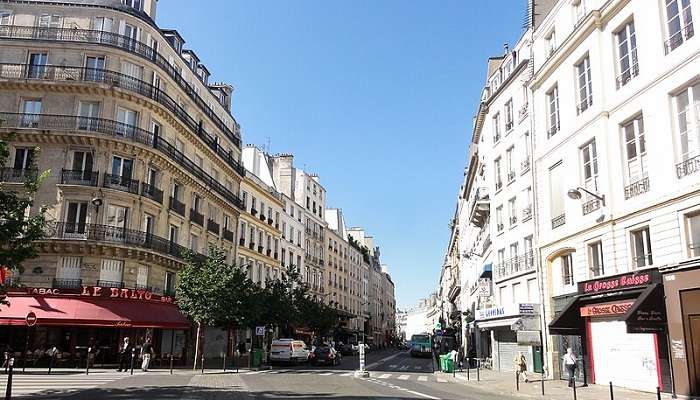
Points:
x=504, y=383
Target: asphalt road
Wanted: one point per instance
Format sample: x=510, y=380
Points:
x=393, y=375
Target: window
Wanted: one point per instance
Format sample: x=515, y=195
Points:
x=116, y=216
x=49, y=21
x=512, y=212
x=497, y=173
x=137, y=4
x=526, y=200
x=509, y=115
x=550, y=43
x=37, y=65
x=589, y=159
x=693, y=234
x=579, y=11
x=553, y=124
x=31, y=110
x=5, y=18
x=82, y=161
x=514, y=250
x=111, y=273
x=641, y=248
x=102, y=24
x=595, y=259
x=585, y=85
x=527, y=250
x=679, y=20
x=501, y=256
x=567, y=270
x=24, y=158
x=496, y=127
x=635, y=150
x=509, y=164
x=557, y=195
x=122, y=168
x=627, y=54
x=196, y=202
x=499, y=218
x=89, y=111
x=169, y=284
x=194, y=242
x=687, y=109
x=76, y=217
x=173, y=234
x=127, y=121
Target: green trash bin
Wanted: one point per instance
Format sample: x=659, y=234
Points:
x=443, y=362
x=449, y=366
x=256, y=358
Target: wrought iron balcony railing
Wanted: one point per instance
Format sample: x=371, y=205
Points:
x=636, y=188
x=558, y=221
x=16, y=175
x=679, y=38
x=687, y=167
x=152, y=192
x=110, y=284
x=213, y=226
x=114, y=79
x=79, y=177
x=71, y=123
x=118, y=182
x=516, y=265
x=628, y=74
x=527, y=213
x=125, y=43
x=228, y=235
x=196, y=217
x=61, y=283
x=177, y=206
x=590, y=206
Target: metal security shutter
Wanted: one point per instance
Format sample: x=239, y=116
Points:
x=627, y=360
x=507, y=349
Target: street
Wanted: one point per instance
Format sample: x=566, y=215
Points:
x=393, y=375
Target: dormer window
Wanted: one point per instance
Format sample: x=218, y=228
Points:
x=136, y=4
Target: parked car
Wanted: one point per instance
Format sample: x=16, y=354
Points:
x=324, y=354
x=289, y=350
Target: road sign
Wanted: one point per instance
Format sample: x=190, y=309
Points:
x=30, y=318
x=260, y=331
x=438, y=326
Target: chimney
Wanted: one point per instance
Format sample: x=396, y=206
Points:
x=505, y=48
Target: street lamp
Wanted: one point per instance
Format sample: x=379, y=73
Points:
x=575, y=194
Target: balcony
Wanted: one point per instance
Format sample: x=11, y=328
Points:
x=515, y=266
x=678, y=38
x=152, y=192
x=636, y=188
x=228, y=235
x=196, y=217
x=270, y=221
x=584, y=105
x=527, y=213
x=110, y=284
x=13, y=175
x=509, y=126
x=524, y=166
x=499, y=227
x=558, y=221
x=687, y=167
x=60, y=283
x=511, y=176
x=79, y=177
x=590, y=206
x=275, y=255
x=522, y=112
x=113, y=234
x=72, y=124
x=253, y=211
x=479, y=212
x=251, y=245
x=552, y=130
x=177, y=206
x=241, y=242
x=125, y=43
x=262, y=217
x=213, y=226
x=499, y=184
x=627, y=75
x=122, y=183
x=496, y=137
x=513, y=220
x=260, y=249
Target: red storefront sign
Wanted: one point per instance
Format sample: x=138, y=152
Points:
x=600, y=310
x=30, y=319
x=626, y=281
x=105, y=292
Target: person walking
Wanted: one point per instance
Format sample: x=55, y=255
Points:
x=146, y=354
x=571, y=363
x=520, y=364
x=124, y=354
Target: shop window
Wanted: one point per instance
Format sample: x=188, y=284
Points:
x=693, y=223
x=595, y=259
x=641, y=248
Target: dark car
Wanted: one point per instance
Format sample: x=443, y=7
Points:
x=324, y=354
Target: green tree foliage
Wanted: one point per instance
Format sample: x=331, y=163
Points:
x=17, y=230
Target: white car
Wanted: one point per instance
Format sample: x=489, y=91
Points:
x=289, y=350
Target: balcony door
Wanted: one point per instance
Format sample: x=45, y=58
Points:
x=127, y=121
x=76, y=220
x=94, y=69
x=111, y=272
x=116, y=223
x=37, y=65
x=82, y=165
x=24, y=157
x=68, y=272
x=88, y=113
x=31, y=110
x=122, y=169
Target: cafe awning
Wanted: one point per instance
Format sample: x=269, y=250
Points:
x=568, y=322
x=648, y=313
x=58, y=311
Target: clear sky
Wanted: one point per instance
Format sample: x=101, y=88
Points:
x=376, y=96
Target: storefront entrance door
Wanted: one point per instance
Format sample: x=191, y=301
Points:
x=694, y=323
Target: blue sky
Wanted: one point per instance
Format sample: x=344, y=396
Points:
x=376, y=96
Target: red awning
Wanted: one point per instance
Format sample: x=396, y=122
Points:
x=57, y=311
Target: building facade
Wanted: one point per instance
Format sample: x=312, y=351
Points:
x=143, y=158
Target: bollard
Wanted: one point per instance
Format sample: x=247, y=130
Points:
x=237, y=360
x=612, y=395
x=202, y=363
x=8, y=390
x=574, y=387
x=53, y=355
x=87, y=361
x=469, y=366
x=133, y=355
x=171, y=364
x=542, y=382
x=224, y=362
x=658, y=393
x=478, y=367
x=517, y=382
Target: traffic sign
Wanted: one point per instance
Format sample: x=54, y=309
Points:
x=260, y=331
x=30, y=319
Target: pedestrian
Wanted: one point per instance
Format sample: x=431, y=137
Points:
x=520, y=366
x=571, y=363
x=124, y=351
x=146, y=353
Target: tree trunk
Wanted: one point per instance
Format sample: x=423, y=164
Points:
x=196, y=346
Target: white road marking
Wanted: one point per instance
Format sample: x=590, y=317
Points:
x=393, y=366
x=326, y=374
x=404, y=367
x=384, y=376
x=422, y=378
x=383, y=360
x=403, y=377
x=440, y=380
x=417, y=367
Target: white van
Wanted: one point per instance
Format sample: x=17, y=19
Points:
x=289, y=350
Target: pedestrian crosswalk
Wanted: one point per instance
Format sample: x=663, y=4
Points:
x=34, y=384
x=381, y=375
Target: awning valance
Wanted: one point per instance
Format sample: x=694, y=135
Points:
x=494, y=323
x=58, y=311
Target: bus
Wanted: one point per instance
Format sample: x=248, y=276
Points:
x=421, y=345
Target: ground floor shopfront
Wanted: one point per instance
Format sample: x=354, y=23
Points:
x=617, y=327
x=95, y=318
x=504, y=332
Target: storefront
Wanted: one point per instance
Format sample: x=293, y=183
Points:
x=97, y=317
x=682, y=289
x=622, y=324
x=502, y=324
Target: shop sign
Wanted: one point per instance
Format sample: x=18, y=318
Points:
x=488, y=313
x=525, y=309
x=98, y=291
x=483, y=288
x=529, y=338
x=30, y=318
x=626, y=281
x=599, y=310
x=260, y=331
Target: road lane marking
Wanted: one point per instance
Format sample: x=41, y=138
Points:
x=383, y=360
x=422, y=378
x=403, y=377
x=404, y=367
x=399, y=388
x=440, y=380
x=326, y=374
x=417, y=367
x=384, y=376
